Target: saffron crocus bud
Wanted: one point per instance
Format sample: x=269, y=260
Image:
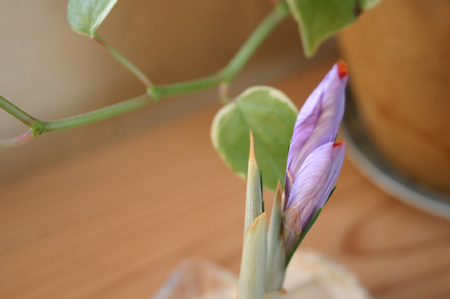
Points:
x=314, y=159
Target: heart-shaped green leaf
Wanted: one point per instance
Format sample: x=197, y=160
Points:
x=86, y=15
x=271, y=117
x=318, y=19
x=368, y=4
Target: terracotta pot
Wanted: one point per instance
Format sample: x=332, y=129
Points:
x=399, y=59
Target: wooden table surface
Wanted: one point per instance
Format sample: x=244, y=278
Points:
x=113, y=224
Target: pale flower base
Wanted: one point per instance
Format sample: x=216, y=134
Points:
x=309, y=276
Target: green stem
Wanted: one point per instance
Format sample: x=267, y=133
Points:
x=96, y=115
x=154, y=93
x=131, y=67
x=17, y=140
x=16, y=112
x=258, y=36
x=186, y=87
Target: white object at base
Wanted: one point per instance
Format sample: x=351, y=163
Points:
x=310, y=275
x=313, y=276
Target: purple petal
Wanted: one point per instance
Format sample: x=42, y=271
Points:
x=337, y=159
x=310, y=182
x=318, y=120
x=304, y=126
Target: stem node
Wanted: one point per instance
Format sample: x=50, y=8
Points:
x=37, y=128
x=155, y=92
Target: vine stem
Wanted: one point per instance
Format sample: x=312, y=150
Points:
x=16, y=112
x=125, y=62
x=24, y=138
x=96, y=115
x=154, y=93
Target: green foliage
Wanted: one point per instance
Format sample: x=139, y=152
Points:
x=254, y=204
x=271, y=116
x=276, y=253
x=308, y=227
x=319, y=19
x=302, y=236
x=251, y=283
x=86, y=15
x=368, y=4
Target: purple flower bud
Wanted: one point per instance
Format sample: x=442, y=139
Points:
x=314, y=159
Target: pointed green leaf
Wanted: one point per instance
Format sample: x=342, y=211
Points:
x=253, y=202
x=302, y=236
x=253, y=264
x=86, y=15
x=310, y=224
x=276, y=254
x=331, y=193
x=271, y=116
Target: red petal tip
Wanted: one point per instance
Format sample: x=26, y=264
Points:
x=339, y=143
x=342, y=69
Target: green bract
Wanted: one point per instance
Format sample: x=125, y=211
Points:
x=319, y=19
x=86, y=15
x=251, y=283
x=271, y=117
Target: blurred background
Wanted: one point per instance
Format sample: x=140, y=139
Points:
x=107, y=210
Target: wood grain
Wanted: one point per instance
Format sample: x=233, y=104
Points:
x=113, y=223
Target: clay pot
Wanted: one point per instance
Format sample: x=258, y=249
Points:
x=399, y=60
